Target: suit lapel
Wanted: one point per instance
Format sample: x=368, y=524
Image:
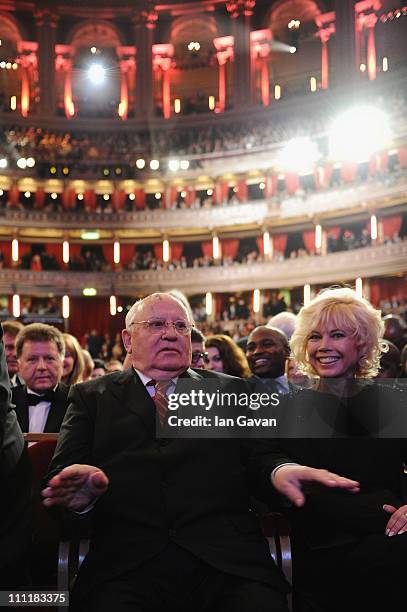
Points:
x=132, y=394
x=21, y=406
x=57, y=410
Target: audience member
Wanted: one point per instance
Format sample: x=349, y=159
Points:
x=284, y=321
x=74, y=362
x=342, y=425
x=89, y=365
x=199, y=358
x=15, y=481
x=99, y=368
x=389, y=361
x=225, y=356
x=114, y=365
x=267, y=351
x=41, y=402
x=10, y=331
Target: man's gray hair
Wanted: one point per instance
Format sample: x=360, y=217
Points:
x=139, y=305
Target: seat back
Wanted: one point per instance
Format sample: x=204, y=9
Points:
x=46, y=526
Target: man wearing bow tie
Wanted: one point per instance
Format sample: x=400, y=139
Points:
x=41, y=403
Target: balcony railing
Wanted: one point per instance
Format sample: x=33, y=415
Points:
x=371, y=195
x=335, y=267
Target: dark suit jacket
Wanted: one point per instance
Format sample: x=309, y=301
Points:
x=15, y=487
x=194, y=493
x=347, y=442
x=56, y=413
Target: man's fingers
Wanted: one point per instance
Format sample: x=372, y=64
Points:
x=389, y=508
x=99, y=480
x=294, y=493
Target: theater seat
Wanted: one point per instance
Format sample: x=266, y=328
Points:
x=46, y=526
x=276, y=529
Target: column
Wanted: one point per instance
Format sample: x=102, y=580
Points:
x=326, y=25
x=46, y=21
x=260, y=42
x=370, y=22
x=162, y=62
x=144, y=22
x=222, y=59
x=344, y=59
x=63, y=63
x=241, y=12
x=224, y=52
x=126, y=56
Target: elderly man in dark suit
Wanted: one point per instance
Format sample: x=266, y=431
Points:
x=15, y=486
x=172, y=527
x=41, y=403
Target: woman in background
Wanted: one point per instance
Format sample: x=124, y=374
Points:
x=225, y=356
x=74, y=362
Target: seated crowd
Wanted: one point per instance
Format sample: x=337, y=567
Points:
x=44, y=365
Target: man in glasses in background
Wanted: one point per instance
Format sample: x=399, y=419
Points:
x=172, y=527
x=199, y=356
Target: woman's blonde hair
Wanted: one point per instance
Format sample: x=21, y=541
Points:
x=72, y=345
x=343, y=309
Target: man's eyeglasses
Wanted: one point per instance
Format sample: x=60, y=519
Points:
x=197, y=356
x=157, y=326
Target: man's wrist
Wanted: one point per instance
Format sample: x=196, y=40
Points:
x=274, y=472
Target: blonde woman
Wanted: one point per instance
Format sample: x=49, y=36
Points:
x=347, y=543
x=74, y=361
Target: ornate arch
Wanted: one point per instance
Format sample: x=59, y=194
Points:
x=10, y=29
x=100, y=33
x=283, y=10
x=193, y=27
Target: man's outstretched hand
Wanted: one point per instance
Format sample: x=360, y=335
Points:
x=75, y=487
x=287, y=480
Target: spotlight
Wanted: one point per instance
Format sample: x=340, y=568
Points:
x=80, y=196
x=30, y=162
x=184, y=164
x=262, y=186
x=15, y=66
x=22, y=163
x=65, y=170
x=157, y=196
x=2, y=64
x=293, y=49
x=132, y=196
x=93, y=50
x=3, y=162
x=106, y=171
x=154, y=164
x=52, y=170
x=209, y=192
x=140, y=163
x=96, y=74
x=173, y=165
x=54, y=195
x=27, y=194
x=118, y=171
x=183, y=194
x=106, y=197
x=299, y=155
x=358, y=133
